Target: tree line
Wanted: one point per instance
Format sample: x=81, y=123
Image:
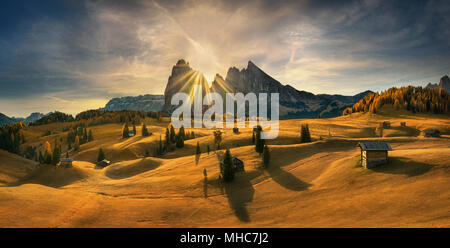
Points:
x=410, y=98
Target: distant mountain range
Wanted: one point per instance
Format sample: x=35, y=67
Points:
x=5, y=120
x=146, y=103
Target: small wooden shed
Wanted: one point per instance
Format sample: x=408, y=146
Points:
x=238, y=164
x=374, y=153
x=431, y=132
x=403, y=124
x=66, y=162
x=385, y=124
x=104, y=163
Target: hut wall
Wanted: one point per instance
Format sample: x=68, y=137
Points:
x=374, y=158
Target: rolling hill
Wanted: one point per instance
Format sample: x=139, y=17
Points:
x=317, y=184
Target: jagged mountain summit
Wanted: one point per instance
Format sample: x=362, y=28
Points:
x=444, y=83
x=293, y=103
x=182, y=79
x=146, y=103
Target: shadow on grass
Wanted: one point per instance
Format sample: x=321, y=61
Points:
x=286, y=179
x=240, y=192
x=405, y=166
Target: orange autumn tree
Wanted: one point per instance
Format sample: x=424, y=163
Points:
x=414, y=99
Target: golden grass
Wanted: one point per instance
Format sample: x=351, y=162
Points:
x=318, y=184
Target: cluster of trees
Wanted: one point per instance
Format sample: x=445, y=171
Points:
x=11, y=137
x=99, y=117
x=79, y=135
x=414, y=99
x=50, y=156
x=52, y=118
x=173, y=138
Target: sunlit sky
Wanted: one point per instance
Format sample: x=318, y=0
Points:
x=72, y=56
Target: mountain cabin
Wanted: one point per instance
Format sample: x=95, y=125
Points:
x=374, y=153
x=66, y=162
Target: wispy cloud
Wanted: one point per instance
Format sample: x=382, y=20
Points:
x=77, y=54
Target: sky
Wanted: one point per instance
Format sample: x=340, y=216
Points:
x=72, y=56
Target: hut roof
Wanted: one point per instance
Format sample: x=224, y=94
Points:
x=375, y=146
x=66, y=160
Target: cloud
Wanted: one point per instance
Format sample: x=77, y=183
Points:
x=90, y=51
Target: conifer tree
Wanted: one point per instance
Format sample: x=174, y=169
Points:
x=259, y=143
x=167, y=136
x=208, y=149
x=179, y=141
x=125, y=131
x=182, y=133
x=198, y=151
x=266, y=156
x=85, y=136
x=144, y=130
x=41, y=158
x=217, y=138
x=101, y=155
x=172, y=134
x=253, y=138
x=56, y=154
x=305, y=136
x=90, y=136
x=134, y=129
x=76, y=145
x=227, y=170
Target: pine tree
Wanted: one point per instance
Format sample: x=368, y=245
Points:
x=172, y=134
x=125, y=131
x=41, y=158
x=85, y=136
x=144, y=130
x=76, y=146
x=208, y=149
x=90, y=136
x=134, y=129
x=253, y=138
x=182, y=133
x=259, y=143
x=305, y=136
x=101, y=155
x=160, y=147
x=167, y=136
x=227, y=170
x=179, y=141
x=198, y=151
x=217, y=138
x=56, y=154
x=266, y=156
x=205, y=174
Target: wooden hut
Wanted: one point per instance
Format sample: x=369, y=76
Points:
x=385, y=124
x=431, y=132
x=403, y=124
x=374, y=153
x=236, y=130
x=103, y=163
x=238, y=165
x=66, y=162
